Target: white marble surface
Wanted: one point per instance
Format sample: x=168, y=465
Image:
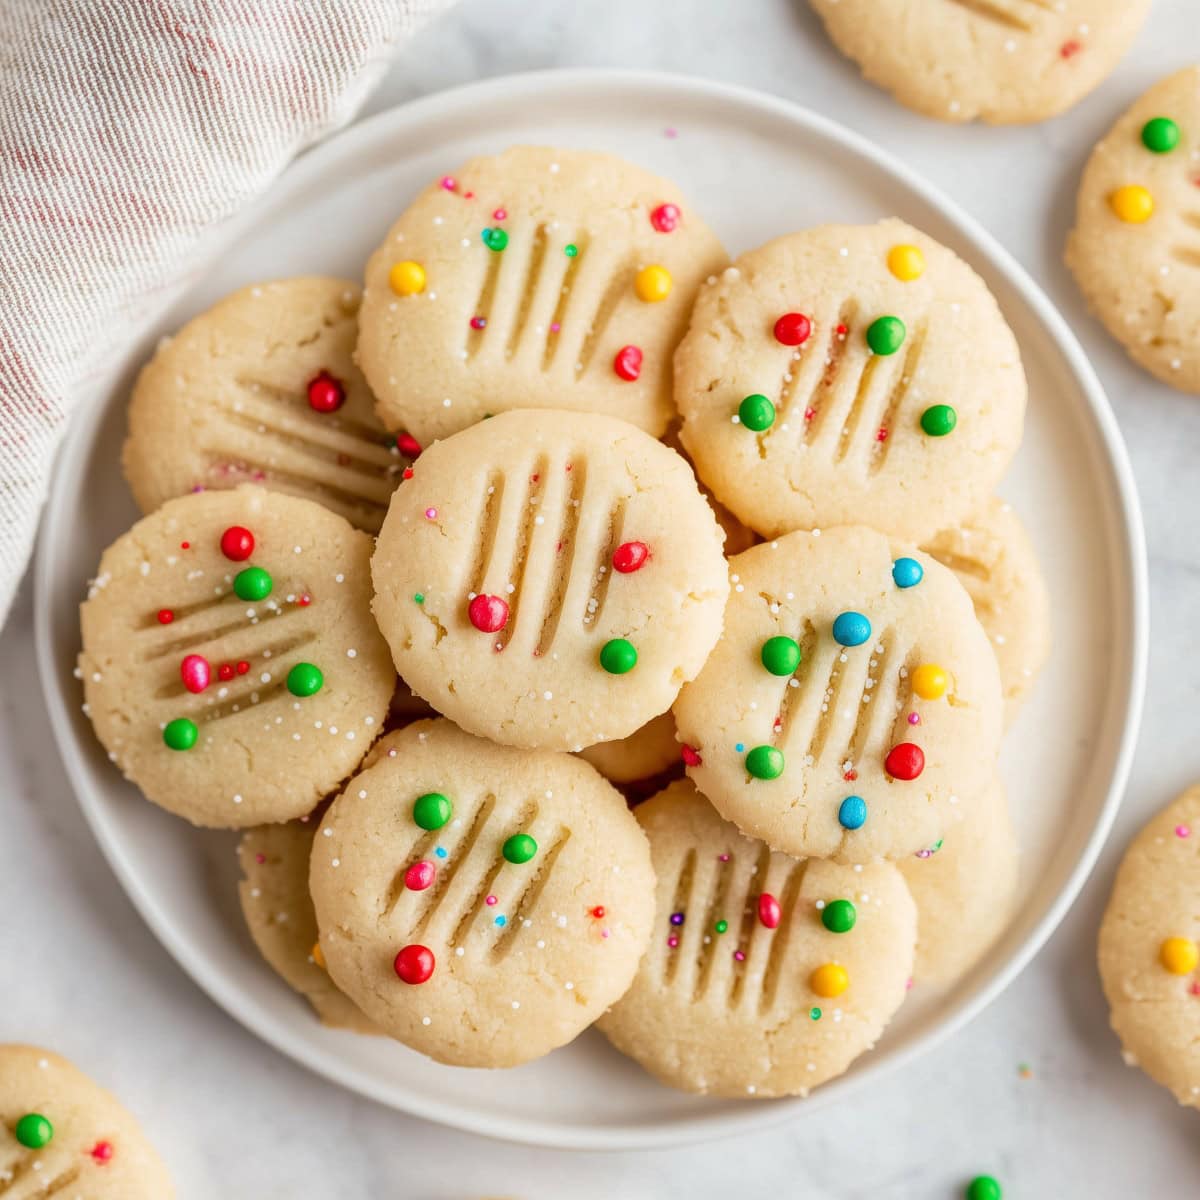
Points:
x=78, y=971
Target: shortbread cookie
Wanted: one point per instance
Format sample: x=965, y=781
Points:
x=766, y=975
x=644, y=753
x=1001, y=61
x=263, y=388
x=279, y=914
x=850, y=373
x=535, y=278
x=851, y=701
x=63, y=1136
x=994, y=560
x=1135, y=248
x=230, y=664
x=549, y=579
x=482, y=904
x=1149, y=956
x=964, y=886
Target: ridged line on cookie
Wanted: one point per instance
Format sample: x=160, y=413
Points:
x=681, y=901
x=184, y=633
x=780, y=937
x=55, y=1171
x=999, y=13
x=616, y=291
x=974, y=567
x=270, y=658
x=748, y=940
x=887, y=421
x=526, y=900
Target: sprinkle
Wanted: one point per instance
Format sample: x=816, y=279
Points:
x=690, y=756
x=1182, y=831
x=677, y=918
x=431, y=514
x=490, y=901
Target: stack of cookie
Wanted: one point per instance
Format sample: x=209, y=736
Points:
x=511, y=405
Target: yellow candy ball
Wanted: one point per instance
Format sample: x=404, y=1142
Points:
x=407, y=278
x=1179, y=955
x=829, y=980
x=929, y=681
x=906, y=262
x=653, y=284
x=1132, y=203
x=317, y=956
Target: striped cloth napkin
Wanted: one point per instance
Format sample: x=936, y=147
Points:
x=129, y=129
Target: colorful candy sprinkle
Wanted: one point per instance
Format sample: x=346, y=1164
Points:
x=495, y=239
x=408, y=445
x=665, y=218
x=906, y=262
x=325, y=394
x=905, y=761
x=628, y=363
x=252, y=584
x=237, y=544
x=885, y=335
x=630, y=556
x=930, y=681
x=984, y=1187
x=721, y=926
x=519, y=848
x=618, y=656
x=414, y=964
x=756, y=412
x=765, y=762
x=1160, y=135
x=102, y=1152
x=769, y=911
x=792, y=329
x=180, y=734
x=938, y=420
x=829, y=980
x=407, y=278
x=851, y=629
x=165, y=616
x=780, y=655
x=305, y=679
x=838, y=916
x=318, y=955
x=1179, y=955
x=677, y=918
x=571, y=250
x=479, y=322
x=1132, y=204
x=691, y=756
x=852, y=812
x=652, y=284
x=489, y=614
x=33, y=1131
x=432, y=810
x=907, y=572
x=195, y=673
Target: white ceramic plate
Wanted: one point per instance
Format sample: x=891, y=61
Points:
x=756, y=167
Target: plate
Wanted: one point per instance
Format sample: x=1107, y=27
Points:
x=755, y=166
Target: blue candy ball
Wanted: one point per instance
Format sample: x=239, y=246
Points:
x=851, y=629
x=853, y=812
x=907, y=572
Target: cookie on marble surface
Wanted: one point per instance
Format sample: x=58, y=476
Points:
x=534, y=278
x=1000, y=61
x=549, y=578
x=850, y=374
x=481, y=904
x=1149, y=956
x=263, y=388
x=230, y=664
x=964, y=886
x=644, y=753
x=278, y=911
x=765, y=975
x=63, y=1135
x=852, y=700
x=994, y=560
x=1135, y=248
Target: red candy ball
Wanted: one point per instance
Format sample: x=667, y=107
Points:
x=325, y=394
x=768, y=910
x=665, y=218
x=628, y=363
x=408, y=445
x=691, y=756
x=237, y=543
x=629, y=556
x=414, y=964
x=419, y=876
x=195, y=672
x=102, y=1152
x=489, y=614
x=904, y=761
x=242, y=667
x=792, y=329
x=165, y=616
x=225, y=671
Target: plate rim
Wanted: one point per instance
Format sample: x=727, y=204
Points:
x=1127, y=526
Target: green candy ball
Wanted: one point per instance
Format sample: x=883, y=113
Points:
x=252, y=584
x=781, y=655
x=939, y=420
x=721, y=926
x=33, y=1131
x=618, y=656
x=1160, y=135
x=765, y=762
x=495, y=239
x=984, y=1187
x=838, y=916
x=432, y=810
x=519, y=848
x=180, y=734
x=885, y=335
x=756, y=413
x=304, y=679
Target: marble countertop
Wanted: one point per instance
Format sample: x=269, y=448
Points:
x=79, y=971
